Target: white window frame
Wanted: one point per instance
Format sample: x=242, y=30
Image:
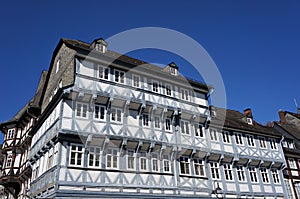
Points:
x=130, y=159
x=103, y=72
x=213, y=134
x=185, y=127
x=94, y=159
x=166, y=163
x=262, y=142
x=184, y=94
x=81, y=110
x=240, y=173
x=136, y=82
x=8, y=160
x=264, y=175
x=116, y=115
x=273, y=144
x=119, y=76
x=292, y=163
x=215, y=170
x=228, y=172
x=168, y=88
x=155, y=86
x=155, y=162
x=198, y=130
x=112, y=158
x=50, y=159
x=199, y=167
x=77, y=154
x=253, y=174
x=146, y=119
x=226, y=137
x=250, y=140
x=11, y=133
x=168, y=125
x=249, y=121
x=143, y=161
x=275, y=176
x=239, y=139
x=157, y=122
x=100, y=112
x=185, y=168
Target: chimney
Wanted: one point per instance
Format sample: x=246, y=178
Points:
x=248, y=113
x=281, y=116
x=298, y=111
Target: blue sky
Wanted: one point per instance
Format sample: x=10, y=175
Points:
x=255, y=44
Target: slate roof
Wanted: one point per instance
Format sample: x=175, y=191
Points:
x=290, y=128
x=133, y=61
x=236, y=120
x=34, y=102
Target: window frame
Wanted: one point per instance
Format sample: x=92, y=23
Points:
x=156, y=121
x=185, y=127
x=253, y=174
x=200, y=133
x=226, y=137
x=240, y=173
x=275, y=176
x=185, y=165
x=239, y=139
x=145, y=120
x=8, y=162
x=136, y=84
x=184, y=94
x=95, y=156
x=130, y=159
x=264, y=175
x=121, y=77
x=112, y=155
x=250, y=140
x=114, y=113
x=215, y=170
x=199, y=167
x=76, y=151
x=213, y=137
x=168, y=89
x=155, y=161
x=166, y=163
x=143, y=161
x=99, y=112
x=82, y=113
x=228, y=173
x=11, y=133
x=273, y=144
x=155, y=86
x=104, y=72
x=262, y=142
x=168, y=124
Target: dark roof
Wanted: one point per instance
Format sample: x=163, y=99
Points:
x=293, y=114
x=34, y=102
x=236, y=120
x=133, y=61
x=290, y=128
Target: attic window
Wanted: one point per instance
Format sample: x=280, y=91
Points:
x=173, y=71
x=101, y=48
x=249, y=121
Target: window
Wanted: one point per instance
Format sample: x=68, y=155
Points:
x=239, y=139
x=292, y=163
x=50, y=159
x=94, y=157
x=112, y=158
x=155, y=162
x=250, y=140
x=168, y=124
x=103, y=72
x=290, y=144
x=249, y=121
x=185, y=127
x=199, y=167
x=76, y=157
x=119, y=76
x=130, y=159
x=213, y=134
x=273, y=144
x=252, y=172
x=173, y=71
x=184, y=94
x=226, y=137
x=100, y=112
x=184, y=165
x=264, y=175
x=156, y=122
x=155, y=86
x=136, y=81
x=145, y=120
x=240, y=173
x=81, y=110
x=214, y=168
x=116, y=114
x=198, y=130
x=262, y=142
x=9, y=160
x=11, y=133
x=166, y=163
x=228, y=171
x=57, y=65
x=275, y=176
x=143, y=161
x=168, y=90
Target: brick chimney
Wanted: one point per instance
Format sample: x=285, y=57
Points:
x=248, y=113
x=281, y=116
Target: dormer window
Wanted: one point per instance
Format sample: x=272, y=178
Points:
x=11, y=134
x=172, y=68
x=100, y=45
x=249, y=121
x=101, y=48
x=173, y=71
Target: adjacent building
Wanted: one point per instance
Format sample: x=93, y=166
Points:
x=289, y=127
x=105, y=125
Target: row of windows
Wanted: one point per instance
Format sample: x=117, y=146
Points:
x=293, y=163
x=156, y=86
x=144, y=161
